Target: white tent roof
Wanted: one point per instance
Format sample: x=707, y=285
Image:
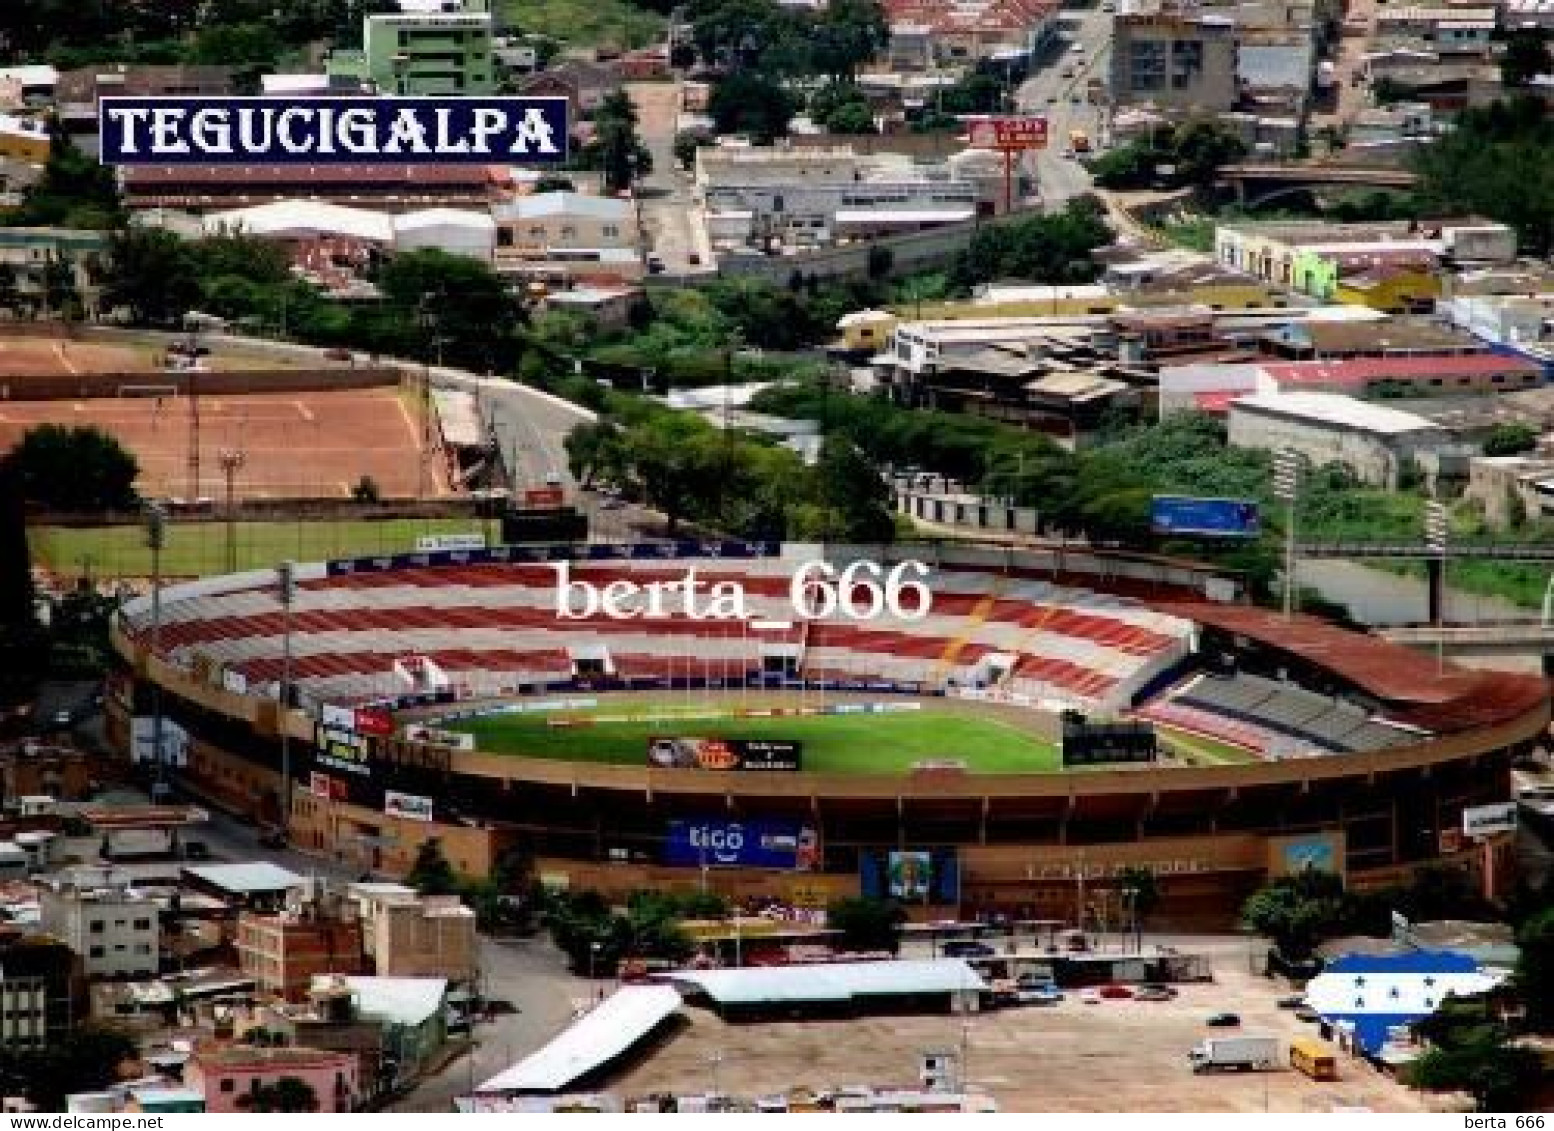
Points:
x=399, y=1001
x=304, y=219
x=832, y=982
x=445, y=217
x=612, y=1027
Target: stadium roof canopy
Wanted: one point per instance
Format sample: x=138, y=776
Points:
x=842, y=981
x=620, y=1021
x=304, y=219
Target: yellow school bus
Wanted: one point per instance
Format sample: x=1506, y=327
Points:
x=1315, y=1058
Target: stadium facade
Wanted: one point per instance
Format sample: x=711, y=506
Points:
x=1359, y=756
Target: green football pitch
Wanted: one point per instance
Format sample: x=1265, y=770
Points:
x=843, y=744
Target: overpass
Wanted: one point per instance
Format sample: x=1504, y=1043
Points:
x=1258, y=182
x=1435, y=570
x=1498, y=638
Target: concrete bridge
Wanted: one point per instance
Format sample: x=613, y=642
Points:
x=1257, y=183
x=1500, y=638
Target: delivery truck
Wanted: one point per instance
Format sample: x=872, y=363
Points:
x=1243, y=1052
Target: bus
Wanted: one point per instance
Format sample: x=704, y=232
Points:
x=1079, y=141
x=1314, y=1058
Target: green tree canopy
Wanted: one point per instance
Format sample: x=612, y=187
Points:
x=1299, y=912
x=75, y=190
x=153, y=274
x=1535, y=970
x=287, y=1094
x=81, y=470
x=431, y=874
x=748, y=103
x=1510, y=439
x=867, y=924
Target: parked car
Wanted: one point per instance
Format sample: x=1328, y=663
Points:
x=963, y=948
x=1091, y=996
x=1294, y=1001
x=1153, y=993
x=1117, y=992
x=1223, y=1021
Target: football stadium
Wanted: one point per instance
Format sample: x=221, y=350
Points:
x=787, y=721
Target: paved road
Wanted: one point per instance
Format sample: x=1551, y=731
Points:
x=674, y=227
x=531, y=975
x=1048, y=92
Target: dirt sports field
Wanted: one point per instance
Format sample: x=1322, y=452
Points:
x=46, y=354
x=313, y=444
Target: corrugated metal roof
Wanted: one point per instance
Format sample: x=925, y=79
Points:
x=1359, y=370
x=1337, y=410
x=399, y=1001
x=840, y=981
x=604, y=1033
x=253, y=876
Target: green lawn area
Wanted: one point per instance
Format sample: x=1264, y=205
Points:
x=585, y=23
x=888, y=743
x=198, y=548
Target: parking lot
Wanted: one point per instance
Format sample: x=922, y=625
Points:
x=1111, y=1056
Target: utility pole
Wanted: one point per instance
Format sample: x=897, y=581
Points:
x=1286, y=487
x=1436, y=534
x=156, y=534
x=428, y=321
x=194, y=420
x=286, y=584
x=231, y=460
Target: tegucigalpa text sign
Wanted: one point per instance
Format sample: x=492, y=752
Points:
x=332, y=131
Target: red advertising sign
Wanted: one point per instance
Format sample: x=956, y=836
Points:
x=1009, y=134
x=375, y=721
x=543, y=497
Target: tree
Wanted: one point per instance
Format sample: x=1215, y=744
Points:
x=849, y=33
x=686, y=143
x=73, y=186
x=288, y=1094
x=853, y=117
x=1146, y=891
x=748, y=103
x=242, y=44
x=1472, y=1052
x=851, y=488
x=594, y=452
x=1299, y=912
x=1535, y=970
x=79, y=470
x=1510, y=439
x=434, y=299
x=1199, y=148
x=431, y=874
x=866, y=924
x=366, y=490
x=153, y=274
x=621, y=156
x=1526, y=56
x=86, y=1059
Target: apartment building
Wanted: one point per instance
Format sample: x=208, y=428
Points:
x=46, y=263
x=1176, y=57
x=40, y=988
x=284, y=952
x=925, y=34
x=1376, y=443
x=428, y=47
x=407, y=935
x=114, y=928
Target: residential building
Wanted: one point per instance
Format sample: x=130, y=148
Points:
x=41, y=988
x=1446, y=30
x=285, y=951
x=1393, y=337
x=411, y=1014
x=24, y=139
x=30, y=84
x=46, y=264
x=428, y=47
x=114, y=928
x=1377, y=444
x=583, y=84
x=1512, y=489
x=76, y=92
x=925, y=34
x=1396, y=290
x=225, y=1075
x=568, y=235
x=1420, y=375
x=1174, y=56
x=608, y=308
x=407, y=935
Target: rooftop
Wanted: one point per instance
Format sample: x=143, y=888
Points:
x=398, y=1001
x=246, y=879
x=1357, y=372
x=246, y=1056
x=598, y=1037
x=833, y=982
x=563, y=204
x=1336, y=410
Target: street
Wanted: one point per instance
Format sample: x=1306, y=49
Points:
x=1063, y=101
x=674, y=230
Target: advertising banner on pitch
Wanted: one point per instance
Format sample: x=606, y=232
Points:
x=1488, y=820
x=724, y=754
x=785, y=845
x=332, y=131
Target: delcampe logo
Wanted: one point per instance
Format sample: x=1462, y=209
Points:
x=332, y=131
x=862, y=591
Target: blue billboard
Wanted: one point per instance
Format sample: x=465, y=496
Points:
x=332, y=131
x=717, y=843
x=1181, y=515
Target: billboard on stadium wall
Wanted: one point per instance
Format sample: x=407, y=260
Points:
x=724, y=753
x=410, y=806
x=717, y=843
x=910, y=875
x=366, y=130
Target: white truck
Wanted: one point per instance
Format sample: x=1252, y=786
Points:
x=1244, y=1052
